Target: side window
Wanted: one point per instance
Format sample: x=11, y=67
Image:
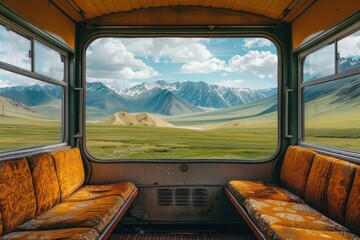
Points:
x=331, y=95
x=31, y=100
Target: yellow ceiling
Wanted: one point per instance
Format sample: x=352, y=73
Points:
x=96, y=10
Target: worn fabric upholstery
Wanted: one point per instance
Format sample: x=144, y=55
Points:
x=352, y=218
x=90, y=192
x=71, y=233
x=267, y=212
x=318, y=181
x=70, y=171
x=17, y=199
x=243, y=190
x=1, y=230
x=338, y=190
x=95, y=214
x=45, y=181
x=295, y=169
x=282, y=232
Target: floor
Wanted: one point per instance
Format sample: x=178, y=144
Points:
x=181, y=236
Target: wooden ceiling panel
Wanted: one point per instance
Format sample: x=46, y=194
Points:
x=94, y=9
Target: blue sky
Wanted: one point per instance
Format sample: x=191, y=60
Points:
x=232, y=62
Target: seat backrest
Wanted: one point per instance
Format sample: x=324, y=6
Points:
x=17, y=200
x=295, y=169
x=352, y=217
x=316, y=185
x=70, y=171
x=47, y=191
x=338, y=190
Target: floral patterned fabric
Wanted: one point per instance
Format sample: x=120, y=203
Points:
x=352, y=218
x=90, y=192
x=243, y=190
x=17, y=199
x=281, y=232
x=267, y=212
x=295, y=169
x=318, y=181
x=71, y=233
x=338, y=190
x=45, y=181
x=70, y=171
x=85, y=214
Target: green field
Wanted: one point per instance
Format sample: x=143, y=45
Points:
x=19, y=133
x=133, y=142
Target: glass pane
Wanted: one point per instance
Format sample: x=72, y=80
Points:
x=30, y=112
x=332, y=116
x=320, y=63
x=349, y=52
x=14, y=49
x=181, y=98
x=48, y=62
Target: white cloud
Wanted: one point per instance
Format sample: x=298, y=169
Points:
x=207, y=66
x=109, y=58
x=350, y=46
x=256, y=42
x=123, y=83
x=231, y=83
x=262, y=64
x=179, y=50
x=9, y=79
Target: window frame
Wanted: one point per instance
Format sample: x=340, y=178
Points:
x=342, y=153
x=63, y=84
x=191, y=33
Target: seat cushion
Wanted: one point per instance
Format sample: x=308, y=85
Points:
x=95, y=214
x=90, y=192
x=267, y=212
x=71, y=233
x=295, y=169
x=338, y=190
x=243, y=190
x=317, y=181
x=17, y=199
x=352, y=218
x=282, y=232
x=47, y=192
x=70, y=171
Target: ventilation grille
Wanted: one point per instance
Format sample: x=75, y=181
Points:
x=182, y=197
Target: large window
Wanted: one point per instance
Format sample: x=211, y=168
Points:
x=32, y=92
x=181, y=98
x=331, y=95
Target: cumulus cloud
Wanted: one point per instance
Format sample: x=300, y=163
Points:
x=231, y=83
x=207, y=66
x=260, y=63
x=350, y=46
x=179, y=50
x=109, y=58
x=256, y=42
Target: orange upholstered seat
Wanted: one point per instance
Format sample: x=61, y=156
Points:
x=243, y=190
x=89, y=192
x=69, y=170
x=45, y=181
x=71, y=233
x=17, y=201
x=43, y=197
x=324, y=195
x=85, y=214
x=267, y=212
x=352, y=217
x=295, y=169
x=282, y=232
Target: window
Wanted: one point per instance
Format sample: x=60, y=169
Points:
x=331, y=115
x=181, y=98
x=31, y=110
